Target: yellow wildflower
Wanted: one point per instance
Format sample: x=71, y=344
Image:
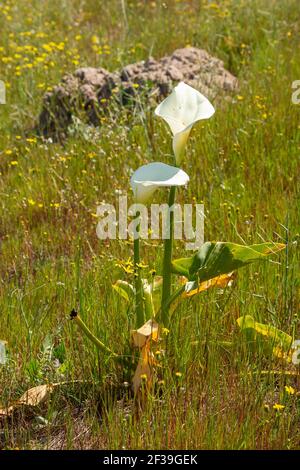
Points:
x=290, y=390
x=278, y=407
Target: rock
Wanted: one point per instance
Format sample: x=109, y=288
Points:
x=89, y=89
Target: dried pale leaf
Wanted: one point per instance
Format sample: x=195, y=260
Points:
x=143, y=371
x=221, y=281
x=36, y=395
x=33, y=397
x=142, y=338
x=6, y=411
x=148, y=330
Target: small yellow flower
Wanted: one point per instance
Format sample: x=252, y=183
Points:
x=290, y=390
x=128, y=270
x=31, y=202
x=127, y=266
x=14, y=163
x=165, y=331
x=95, y=39
x=8, y=152
x=142, y=265
x=178, y=374
x=240, y=98
x=144, y=377
x=278, y=407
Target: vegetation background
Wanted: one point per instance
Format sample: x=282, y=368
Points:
x=244, y=166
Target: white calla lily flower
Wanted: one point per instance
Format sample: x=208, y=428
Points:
x=148, y=178
x=181, y=110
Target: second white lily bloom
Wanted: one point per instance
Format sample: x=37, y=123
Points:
x=148, y=178
x=181, y=110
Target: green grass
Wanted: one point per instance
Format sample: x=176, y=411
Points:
x=244, y=166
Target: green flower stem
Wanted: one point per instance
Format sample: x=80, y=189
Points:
x=174, y=296
x=168, y=249
x=80, y=323
x=139, y=305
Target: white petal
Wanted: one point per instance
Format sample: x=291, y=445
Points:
x=146, y=179
x=183, y=107
x=179, y=143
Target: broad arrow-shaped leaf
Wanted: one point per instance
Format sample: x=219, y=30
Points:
x=124, y=289
x=216, y=258
x=278, y=341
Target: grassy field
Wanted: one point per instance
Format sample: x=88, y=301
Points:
x=244, y=166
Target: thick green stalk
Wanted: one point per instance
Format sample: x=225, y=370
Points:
x=174, y=296
x=139, y=305
x=168, y=249
x=74, y=316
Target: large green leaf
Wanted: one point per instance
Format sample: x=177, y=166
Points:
x=277, y=342
x=150, y=291
x=124, y=289
x=216, y=258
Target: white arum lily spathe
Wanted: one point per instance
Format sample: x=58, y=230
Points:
x=181, y=110
x=148, y=178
